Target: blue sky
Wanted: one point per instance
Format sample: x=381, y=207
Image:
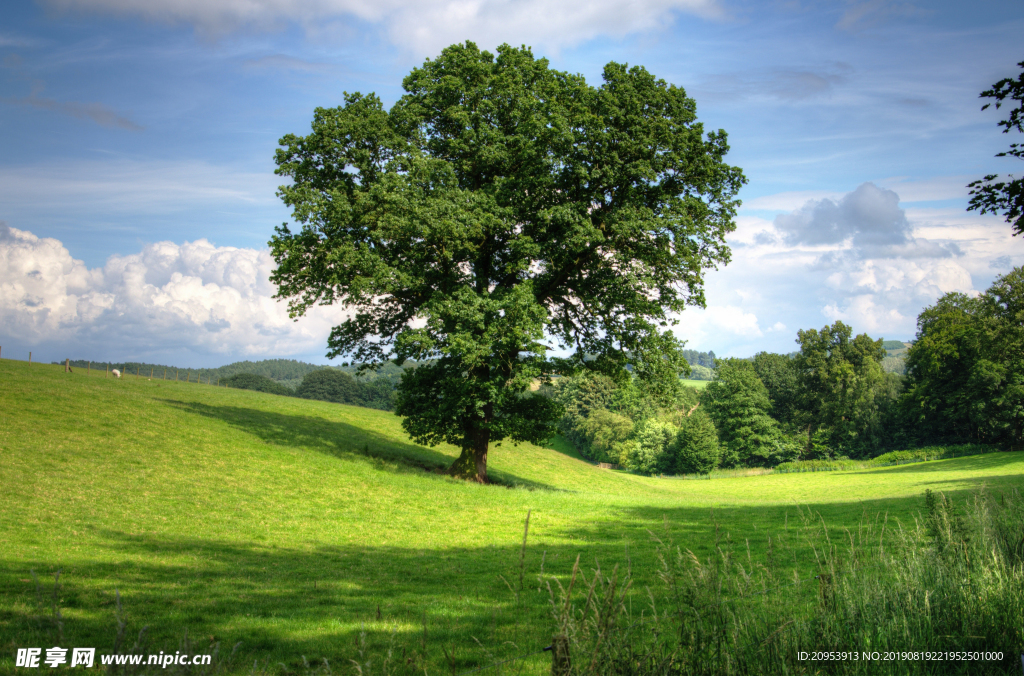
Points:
x=136, y=155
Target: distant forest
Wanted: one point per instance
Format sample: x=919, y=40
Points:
x=349, y=385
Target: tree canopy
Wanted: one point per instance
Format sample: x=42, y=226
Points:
x=990, y=194
x=497, y=207
x=966, y=368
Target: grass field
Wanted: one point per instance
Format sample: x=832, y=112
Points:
x=292, y=526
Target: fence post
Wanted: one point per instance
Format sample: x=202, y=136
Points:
x=560, y=663
x=88, y=368
x=106, y=371
x=30, y=356
x=67, y=365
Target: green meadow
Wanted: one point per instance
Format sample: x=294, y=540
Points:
x=308, y=529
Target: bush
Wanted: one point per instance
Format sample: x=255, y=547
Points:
x=698, y=372
x=696, y=449
x=818, y=465
x=649, y=450
x=604, y=431
x=251, y=381
x=931, y=453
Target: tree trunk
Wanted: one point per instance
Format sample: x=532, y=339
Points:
x=472, y=463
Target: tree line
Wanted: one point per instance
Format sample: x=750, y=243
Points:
x=834, y=398
x=326, y=384
x=345, y=384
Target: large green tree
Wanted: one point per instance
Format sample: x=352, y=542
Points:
x=737, y=401
x=845, y=395
x=993, y=194
x=779, y=375
x=966, y=368
x=497, y=207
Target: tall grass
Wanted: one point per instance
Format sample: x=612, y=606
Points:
x=885, y=596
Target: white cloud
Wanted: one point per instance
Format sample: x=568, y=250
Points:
x=858, y=257
x=868, y=222
x=169, y=298
x=425, y=26
x=717, y=325
x=886, y=295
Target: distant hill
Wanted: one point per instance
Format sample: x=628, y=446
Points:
x=287, y=372
x=895, y=360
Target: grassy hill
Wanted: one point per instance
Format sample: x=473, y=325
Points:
x=293, y=526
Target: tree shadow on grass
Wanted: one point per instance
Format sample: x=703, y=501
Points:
x=560, y=444
x=283, y=603
x=339, y=439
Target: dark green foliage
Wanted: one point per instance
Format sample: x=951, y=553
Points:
x=578, y=397
x=251, y=381
x=966, y=368
x=341, y=388
x=846, y=398
x=991, y=195
x=582, y=397
x=499, y=203
x=737, y=401
x=779, y=375
x=275, y=369
x=696, y=449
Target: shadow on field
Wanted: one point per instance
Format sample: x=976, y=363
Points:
x=337, y=438
x=560, y=444
x=315, y=600
x=283, y=604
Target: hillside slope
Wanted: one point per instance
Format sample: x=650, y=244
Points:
x=290, y=525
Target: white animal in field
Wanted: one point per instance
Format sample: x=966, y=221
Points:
x=117, y=374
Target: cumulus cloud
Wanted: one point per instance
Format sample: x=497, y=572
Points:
x=425, y=26
x=168, y=298
x=869, y=218
x=888, y=294
x=718, y=326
